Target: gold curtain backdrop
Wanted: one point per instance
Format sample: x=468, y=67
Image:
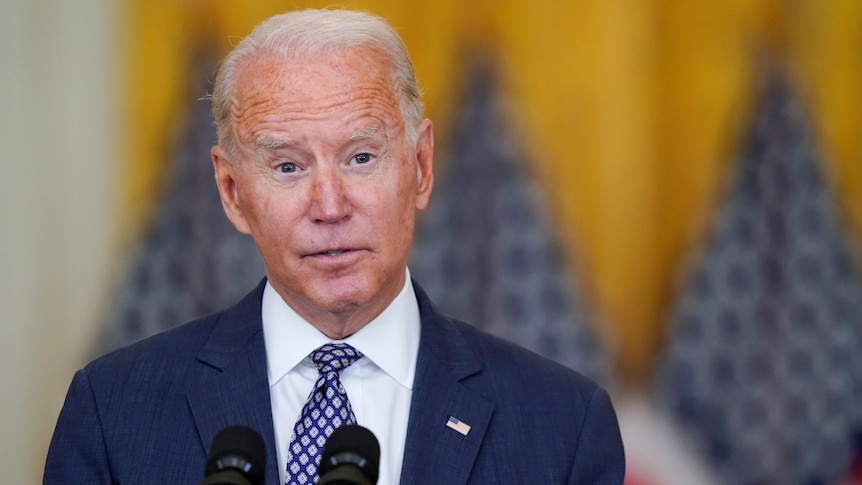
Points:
x=631, y=112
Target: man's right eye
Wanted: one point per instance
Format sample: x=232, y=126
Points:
x=287, y=167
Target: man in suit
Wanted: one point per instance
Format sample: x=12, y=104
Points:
x=324, y=158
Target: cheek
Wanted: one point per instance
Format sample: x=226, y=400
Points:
x=272, y=216
x=403, y=214
x=385, y=210
x=403, y=199
x=407, y=184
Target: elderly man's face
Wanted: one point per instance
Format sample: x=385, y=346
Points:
x=327, y=182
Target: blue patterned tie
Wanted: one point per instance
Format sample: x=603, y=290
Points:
x=327, y=408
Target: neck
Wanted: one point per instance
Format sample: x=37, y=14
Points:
x=341, y=324
x=344, y=319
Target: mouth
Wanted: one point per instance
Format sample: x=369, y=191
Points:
x=337, y=259
x=334, y=252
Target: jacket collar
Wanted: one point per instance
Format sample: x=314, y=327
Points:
x=238, y=393
x=447, y=371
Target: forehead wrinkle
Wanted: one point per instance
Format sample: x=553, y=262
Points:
x=278, y=94
x=253, y=88
x=262, y=102
x=251, y=117
x=268, y=72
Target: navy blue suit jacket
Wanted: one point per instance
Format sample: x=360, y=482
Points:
x=147, y=414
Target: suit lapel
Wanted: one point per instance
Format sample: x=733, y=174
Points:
x=434, y=452
x=237, y=392
x=237, y=389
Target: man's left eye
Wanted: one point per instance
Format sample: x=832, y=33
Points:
x=362, y=158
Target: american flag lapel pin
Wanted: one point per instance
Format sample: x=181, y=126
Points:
x=458, y=426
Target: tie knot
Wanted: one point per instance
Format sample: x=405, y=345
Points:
x=334, y=357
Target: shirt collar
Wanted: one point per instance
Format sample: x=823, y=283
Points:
x=390, y=341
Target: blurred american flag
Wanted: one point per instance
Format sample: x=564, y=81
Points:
x=764, y=360
x=485, y=251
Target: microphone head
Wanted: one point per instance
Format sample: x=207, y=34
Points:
x=238, y=448
x=354, y=445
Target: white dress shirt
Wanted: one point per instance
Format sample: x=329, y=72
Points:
x=379, y=385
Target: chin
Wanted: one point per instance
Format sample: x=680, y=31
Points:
x=342, y=296
x=345, y=293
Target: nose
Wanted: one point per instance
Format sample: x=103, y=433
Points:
x=329, y=202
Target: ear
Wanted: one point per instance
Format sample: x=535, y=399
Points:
x=225, y=176
x=424, y=163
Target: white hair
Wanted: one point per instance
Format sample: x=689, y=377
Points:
x=309, y=32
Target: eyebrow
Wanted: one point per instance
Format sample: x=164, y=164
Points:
x=271, y=144
x=373, y=131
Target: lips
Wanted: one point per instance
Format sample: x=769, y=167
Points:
x=335, y=252
x=332, y=252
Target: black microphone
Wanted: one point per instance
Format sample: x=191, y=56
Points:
x=237, y=457
x=351, y=457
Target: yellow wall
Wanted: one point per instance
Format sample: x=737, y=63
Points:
x=629, y=108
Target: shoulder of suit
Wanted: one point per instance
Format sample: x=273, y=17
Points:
x=182, y=341
x=185, y=341
x=505, y=358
